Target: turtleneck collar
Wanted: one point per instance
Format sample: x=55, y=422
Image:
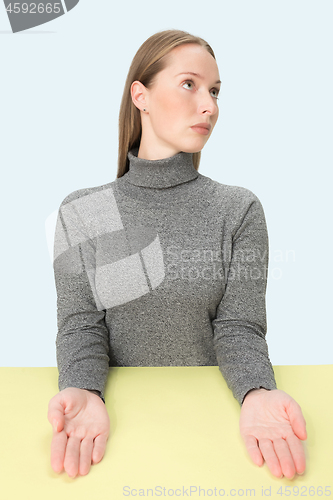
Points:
x=162, y=173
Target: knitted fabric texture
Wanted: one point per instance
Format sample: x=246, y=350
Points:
x=162, y=267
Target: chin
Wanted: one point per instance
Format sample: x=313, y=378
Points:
x=193, y=149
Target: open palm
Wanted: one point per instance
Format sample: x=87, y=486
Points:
x=81, y=427
x=272, y=425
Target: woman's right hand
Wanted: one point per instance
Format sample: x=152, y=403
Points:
x=81, y=427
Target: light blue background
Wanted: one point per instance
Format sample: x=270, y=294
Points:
x=61, y=87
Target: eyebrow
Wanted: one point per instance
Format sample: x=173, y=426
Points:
x=194, y=74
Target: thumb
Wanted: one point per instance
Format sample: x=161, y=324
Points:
x=297, y=419
x=58, y=423
x=56, y=415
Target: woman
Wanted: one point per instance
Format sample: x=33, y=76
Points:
x=165, y=267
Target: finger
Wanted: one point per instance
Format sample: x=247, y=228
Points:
x=252, y=447
x=297, y=419
x=272, y=461
x=71, y=463
x=286, y=460
x=86, y=449
x=99, y=448
x=297, y=452
x=55, y=414
x=58, y=447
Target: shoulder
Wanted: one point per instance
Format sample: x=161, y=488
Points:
x=236, y=206
x=90, y=211
x=85, y=194
x=229, y=195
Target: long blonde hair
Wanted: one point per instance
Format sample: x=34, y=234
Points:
x=147, y=62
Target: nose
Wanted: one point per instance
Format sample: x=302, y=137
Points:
x=208, y=104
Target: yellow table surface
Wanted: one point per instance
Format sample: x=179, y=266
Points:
x=173, y=429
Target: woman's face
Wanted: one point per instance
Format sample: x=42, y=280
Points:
x=177, y=101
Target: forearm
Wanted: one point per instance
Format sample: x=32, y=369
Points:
x=82, y=343
x=82, y=358
x=243, y=359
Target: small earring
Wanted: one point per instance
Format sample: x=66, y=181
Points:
x=144, y=109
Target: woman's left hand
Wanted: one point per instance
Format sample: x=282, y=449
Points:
x=272, y=424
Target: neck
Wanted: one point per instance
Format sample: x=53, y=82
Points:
x=162, y=173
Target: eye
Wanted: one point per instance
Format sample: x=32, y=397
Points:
x=213, y=90
x=217, y=92
x=188, y=81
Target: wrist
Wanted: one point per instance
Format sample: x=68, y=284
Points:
x=255, y=391
x=94, y=391
x=98, y=393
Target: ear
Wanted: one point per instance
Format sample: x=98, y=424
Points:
x=139, y=95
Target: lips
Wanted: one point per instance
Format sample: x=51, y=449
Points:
x=202, y=125
x=201, y=128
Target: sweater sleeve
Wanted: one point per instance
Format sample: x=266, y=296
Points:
x=240, y=324
x=82, y=343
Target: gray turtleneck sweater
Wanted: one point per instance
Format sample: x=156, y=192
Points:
x=162, y=267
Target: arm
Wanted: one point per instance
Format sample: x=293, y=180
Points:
x=240, y=323
x=271, y=422
x=80, y=420
x=83, y=339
